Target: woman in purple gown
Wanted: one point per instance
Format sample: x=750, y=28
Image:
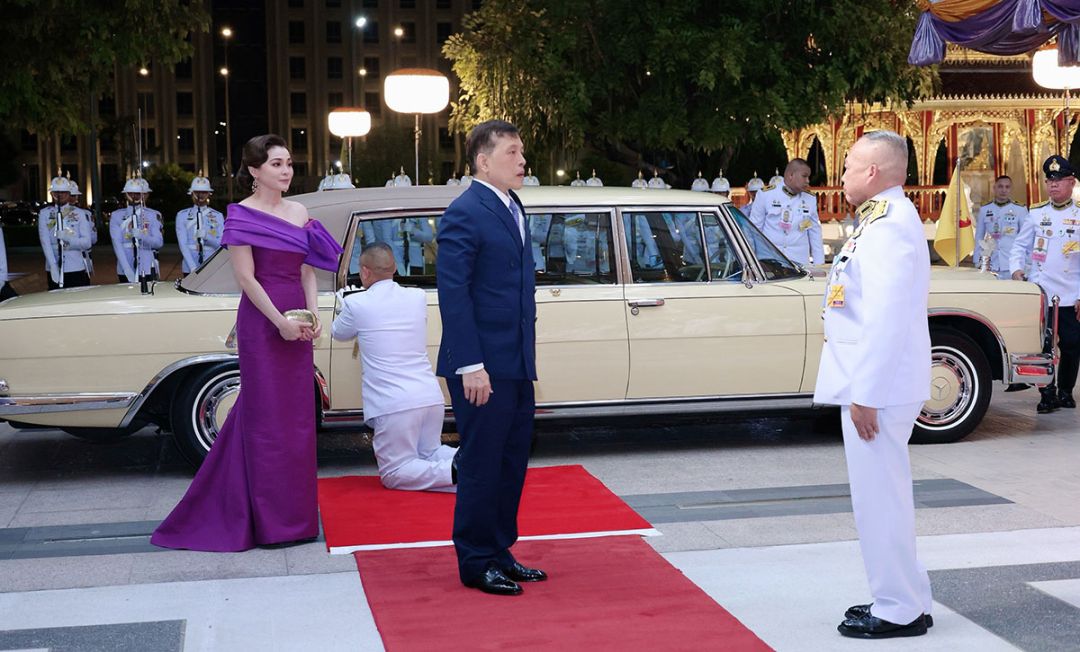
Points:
x=257, y=485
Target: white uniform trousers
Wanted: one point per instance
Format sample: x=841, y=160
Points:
x=883, y=499
x=408, y=450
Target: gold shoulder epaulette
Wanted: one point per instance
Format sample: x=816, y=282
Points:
x=986, y=204
x=1018, y=204
x=768, y=187
x=873, y=209
x=1041, y=204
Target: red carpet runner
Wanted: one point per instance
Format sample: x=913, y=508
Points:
x=609, y=593
x=557, y=502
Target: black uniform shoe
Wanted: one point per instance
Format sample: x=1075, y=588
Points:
x=1066, y=400
x=495, y=581
x=1047, y=404
x=872, y=627
x=520, y=573
x=861, y=610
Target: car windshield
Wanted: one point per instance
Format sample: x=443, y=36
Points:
x=776, y=265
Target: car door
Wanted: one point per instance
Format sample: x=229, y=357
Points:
x=697, y=324
x=582, y=352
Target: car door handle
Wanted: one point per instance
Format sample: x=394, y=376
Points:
x=646, y=303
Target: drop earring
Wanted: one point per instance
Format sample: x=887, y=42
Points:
x=254, y=185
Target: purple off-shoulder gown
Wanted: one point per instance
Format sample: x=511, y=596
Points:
x=257, y=485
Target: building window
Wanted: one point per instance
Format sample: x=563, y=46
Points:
x=146, y=103
x=371, y=65
x=335, y=100
x=333, y=4
x=407, y=4
x=296, y=4
x=68, y=143
x=333, y=67
x=476, y=4
x=185, y=140
x=299, y=169
x=372, y=104
x=296, y=32
x=183, y=69
x=299, y=140
x=185, y=103
x=446, y=140
x=297, y=68
x=110, y=177
x=371, y=32
x=371, y=4
x=333, y=31
x=298, y=103
x=443, y=32
x=29, y=141
x=410, y=33
x=107, y=141
x=150, y=138
x=443, y=4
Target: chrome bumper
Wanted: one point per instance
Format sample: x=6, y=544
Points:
x=1031, y=369
x=44, y=403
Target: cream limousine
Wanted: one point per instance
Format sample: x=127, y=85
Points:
x=649, y=302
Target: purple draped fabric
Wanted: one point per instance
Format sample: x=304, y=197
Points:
x=252, y=227
x=1007, y=27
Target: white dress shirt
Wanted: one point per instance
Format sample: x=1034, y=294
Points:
x=390, y=324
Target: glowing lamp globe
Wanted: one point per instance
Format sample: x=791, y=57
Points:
x=349, y=123
x=1048, y=74
x=416, y=90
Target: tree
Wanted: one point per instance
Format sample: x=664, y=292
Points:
x=60, y=54
x=680, y=83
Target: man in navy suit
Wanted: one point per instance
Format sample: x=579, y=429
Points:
x=488, y=356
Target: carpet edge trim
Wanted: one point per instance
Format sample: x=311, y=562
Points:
x=348, y=550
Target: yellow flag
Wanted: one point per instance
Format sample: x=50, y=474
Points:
x=954, y=211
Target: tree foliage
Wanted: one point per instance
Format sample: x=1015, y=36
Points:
x=59, y=54
x=647, y=79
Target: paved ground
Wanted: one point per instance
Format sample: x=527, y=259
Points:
x=753, y=510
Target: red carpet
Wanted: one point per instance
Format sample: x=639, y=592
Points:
x=557, y=502
x=609, y=593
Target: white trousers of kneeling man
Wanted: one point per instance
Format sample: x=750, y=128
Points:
x=409, y=451
x=882, y=496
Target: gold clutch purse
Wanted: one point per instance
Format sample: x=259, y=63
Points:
x=303, y=316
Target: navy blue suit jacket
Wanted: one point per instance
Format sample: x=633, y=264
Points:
x=485, y=276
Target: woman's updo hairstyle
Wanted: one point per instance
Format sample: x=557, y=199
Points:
x=256, y=152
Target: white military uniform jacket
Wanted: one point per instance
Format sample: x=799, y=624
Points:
x=197, y=222
x=414, y=231
x=3, y=259
x=1049, y=240
x=877, y=339
x=790, y=222
x=74, y=237
x=1002, y=223
x=390, y=325
x=148, y=236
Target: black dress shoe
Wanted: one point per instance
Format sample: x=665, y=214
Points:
x=1066, y=400
x=861, y=610
x=1047, y=404
x=873, y=627
x=520, y=573
x=495, y=581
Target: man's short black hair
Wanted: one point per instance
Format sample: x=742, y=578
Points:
x=1004, y=176
x=483, y=136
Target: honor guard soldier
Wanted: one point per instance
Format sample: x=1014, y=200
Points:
x=136, y=234
x=6, y=291
x=199, y=227
x=788, y=216
x=74, y=201
x=721, y=186
x=875, y=365
x=1049, y=246
x=65, y=234
x=752, y=187
x=999, y=222
x=406, y=237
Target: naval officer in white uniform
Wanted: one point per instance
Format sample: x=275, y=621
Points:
x=998, y=222
x=1048, y=246
x=876, y=366
x=788, y=215
x=198, y=227
x=402, y=399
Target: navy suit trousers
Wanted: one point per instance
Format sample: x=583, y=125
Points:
x=494, y=453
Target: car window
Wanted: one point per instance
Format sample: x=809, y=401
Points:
x=724, y=263
x=412, y=240
x=572, y=248
x=664, y=247
x=775, y=264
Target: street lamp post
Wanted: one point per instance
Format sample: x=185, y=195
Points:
x=417, y=91
x=358, y=60
x=226, y=33
x=347, y=124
